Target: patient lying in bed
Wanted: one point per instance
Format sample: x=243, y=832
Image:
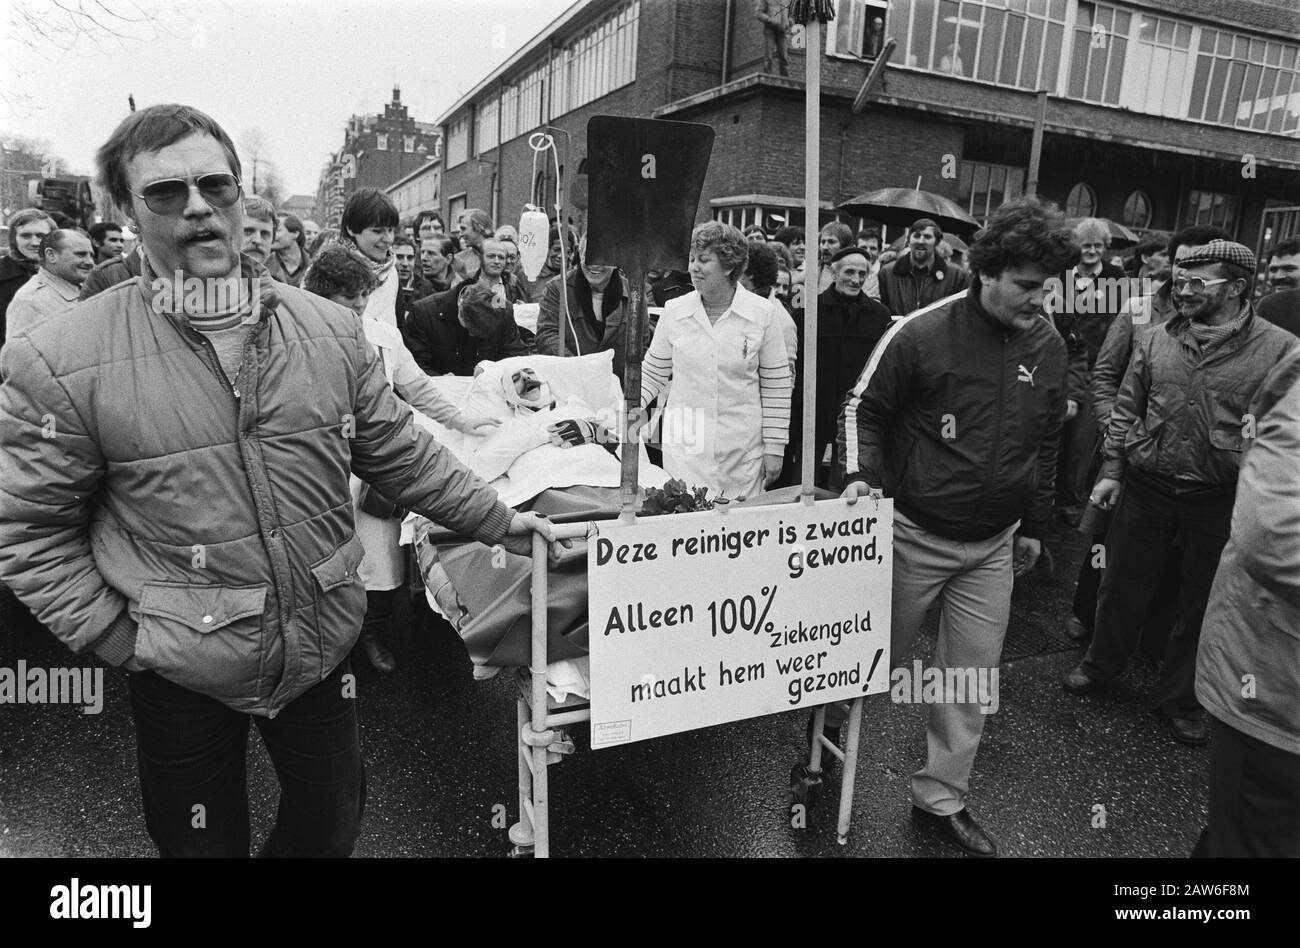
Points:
x=558, y=422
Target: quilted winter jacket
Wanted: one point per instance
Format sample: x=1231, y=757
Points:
x=1180, y=418
x=1252, y=623
x=150, y=507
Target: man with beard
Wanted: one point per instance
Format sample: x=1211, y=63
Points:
x=67, y=257
x=919, y=278
x=832, y=238
x=1177, y=430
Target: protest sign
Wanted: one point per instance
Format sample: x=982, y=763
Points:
x=703, y=618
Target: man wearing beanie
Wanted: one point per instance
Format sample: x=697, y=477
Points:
x=1177, y=431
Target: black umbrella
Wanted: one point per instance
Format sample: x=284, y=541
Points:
x=901, y=206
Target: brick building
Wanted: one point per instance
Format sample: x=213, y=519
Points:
x=1159, y=113
x=377, y=151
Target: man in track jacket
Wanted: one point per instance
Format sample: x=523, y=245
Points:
x=957, y=417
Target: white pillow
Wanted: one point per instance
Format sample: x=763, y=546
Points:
x=590, y=378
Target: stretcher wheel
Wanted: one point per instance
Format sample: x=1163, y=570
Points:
x=805, y=787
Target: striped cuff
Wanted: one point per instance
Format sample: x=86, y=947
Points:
x=495, y=524
x=117, y=644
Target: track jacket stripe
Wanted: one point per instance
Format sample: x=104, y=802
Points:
x=851, y=405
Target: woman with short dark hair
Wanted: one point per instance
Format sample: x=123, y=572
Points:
x=369, y=225
x=727, y=420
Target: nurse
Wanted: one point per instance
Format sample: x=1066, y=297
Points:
x=727, y=419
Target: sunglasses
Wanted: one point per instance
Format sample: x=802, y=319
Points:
x=1197, y=284
x=168, y=196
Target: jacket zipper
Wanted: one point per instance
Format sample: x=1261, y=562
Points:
x=1001, y=420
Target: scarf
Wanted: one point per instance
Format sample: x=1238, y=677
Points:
x=380, y=270
x=1208, y=337
x=611, y=301
x=29, y=266
x=232, y=305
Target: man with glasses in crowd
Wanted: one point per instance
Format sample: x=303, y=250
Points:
x=176, y=500
x=1177, y=431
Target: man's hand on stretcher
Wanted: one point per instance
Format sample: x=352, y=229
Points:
x=519, y=536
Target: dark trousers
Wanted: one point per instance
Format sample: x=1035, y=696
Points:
x=379, y=609
x=192, y=753
x=1139, y=544
x=1254, y=798
x=1161, y=613
x=1079, y=460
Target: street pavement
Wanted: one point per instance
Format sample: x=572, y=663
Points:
x=1056, y=775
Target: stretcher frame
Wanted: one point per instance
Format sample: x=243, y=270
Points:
x=538, y=717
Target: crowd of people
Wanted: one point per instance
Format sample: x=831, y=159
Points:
x=206, y=488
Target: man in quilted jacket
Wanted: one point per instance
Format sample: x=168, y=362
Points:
x=176, y=500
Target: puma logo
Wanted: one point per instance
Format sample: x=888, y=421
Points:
x=1026, y=375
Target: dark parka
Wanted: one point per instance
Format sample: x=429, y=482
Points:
x=151, y=508
x=904, y=289
x=442, y=346
x=592, y=336
x=13, y=275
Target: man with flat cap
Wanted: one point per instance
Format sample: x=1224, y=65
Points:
x=1177, y=431
x=849, y=324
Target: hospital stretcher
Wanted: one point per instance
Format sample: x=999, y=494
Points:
x=522, y=605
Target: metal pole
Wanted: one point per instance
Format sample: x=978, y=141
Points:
x=632, y=356
x=537, y=669
x=812, y=198
x=1036, y=144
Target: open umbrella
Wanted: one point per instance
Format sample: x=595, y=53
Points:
x=901, y=206
x=1120, y=236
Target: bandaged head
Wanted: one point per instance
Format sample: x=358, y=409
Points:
x=524, y=389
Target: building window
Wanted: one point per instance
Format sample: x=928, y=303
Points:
x=1014, y=43
x=983, y=188
x=1158, y=67
x=1246, y=82
x=381, y=142
x=597, y=62
x=858, y=28
x=485, y=127
x=458, y=141
x=455, y=208
x=1137, y=211
x=1210, y=208
x=408, y=143
x=1081, y=202
x=521, y=105
x=1100, y=42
